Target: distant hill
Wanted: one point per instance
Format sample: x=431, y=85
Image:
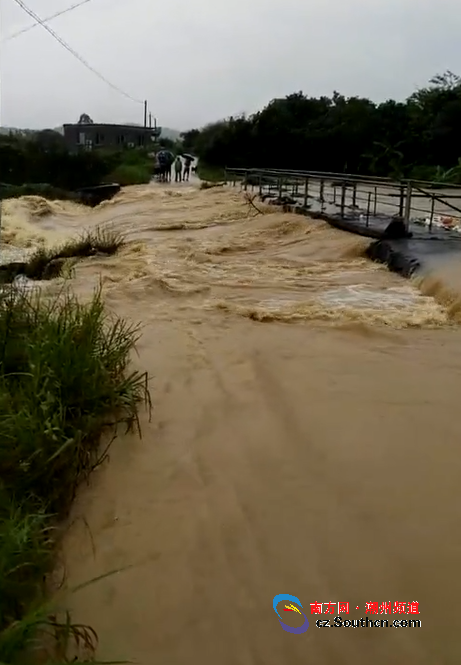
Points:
x=167, y=132
x=7, y=130
x=16, y=130
x=172, y=134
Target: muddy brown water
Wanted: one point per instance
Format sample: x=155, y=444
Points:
x=305, y=439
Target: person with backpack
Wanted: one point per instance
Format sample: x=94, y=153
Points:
x=166, y=159
x=161, y=157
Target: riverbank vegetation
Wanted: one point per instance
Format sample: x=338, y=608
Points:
x=130, y=167
x=51, y=262
x=39, y=163
x=64, y=382
x=210, y=173
x=417, y=138
x=30, y=165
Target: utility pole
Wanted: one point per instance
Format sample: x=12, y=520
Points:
x=150, y=120
x=145, y=113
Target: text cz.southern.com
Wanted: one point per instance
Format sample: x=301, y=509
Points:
x=339, y=622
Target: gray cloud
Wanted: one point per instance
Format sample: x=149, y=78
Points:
x=197, y=62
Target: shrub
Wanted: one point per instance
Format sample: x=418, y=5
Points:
x=49, y=263
x=210, y=173
x=38, y=189
x=28, y=160
x=130, y=174
x=64, y=380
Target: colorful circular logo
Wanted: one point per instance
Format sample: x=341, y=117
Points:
x=290, y=608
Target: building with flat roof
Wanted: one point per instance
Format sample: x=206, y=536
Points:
x=89, y=135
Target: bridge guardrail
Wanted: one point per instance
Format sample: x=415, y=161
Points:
x=372, y=200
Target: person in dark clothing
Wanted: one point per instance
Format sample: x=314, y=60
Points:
x=166, y=159
x=187, y=165
x=162, y=160
x=169, y=165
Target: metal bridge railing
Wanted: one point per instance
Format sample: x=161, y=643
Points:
x=372, y=200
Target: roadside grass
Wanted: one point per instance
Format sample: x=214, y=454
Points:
x=125, y=167
x=130, y=174
x=211, y=174
x=64, y=381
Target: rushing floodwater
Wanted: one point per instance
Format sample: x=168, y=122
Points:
x=304, y=440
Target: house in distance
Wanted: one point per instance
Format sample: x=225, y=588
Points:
x=88, y=135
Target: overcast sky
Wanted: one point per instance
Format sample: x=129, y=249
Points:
x=201, y=60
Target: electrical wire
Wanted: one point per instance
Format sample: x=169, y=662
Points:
x=74, y=53
x=46, y=20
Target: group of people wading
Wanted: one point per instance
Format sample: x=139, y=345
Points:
x=165, y=161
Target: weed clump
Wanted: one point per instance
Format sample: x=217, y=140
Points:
x=46, y=263
x=64, y=381
x=210, y=185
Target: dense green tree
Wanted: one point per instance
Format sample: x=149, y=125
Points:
x=42, y=157
x=420, y=137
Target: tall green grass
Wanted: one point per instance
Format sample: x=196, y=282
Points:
x=210, y=173
x=129, y=167
x=130, y=174
x=64, y=381
x=49, y=262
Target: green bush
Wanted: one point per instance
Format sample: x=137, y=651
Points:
x=210, y=173
x=429, y=173
x=130, y=174
x=341, y=133
x=31, y=160
x=28, y=160
x=36, y=189
x=64, y=380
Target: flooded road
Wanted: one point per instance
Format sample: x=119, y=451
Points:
x=304, y=440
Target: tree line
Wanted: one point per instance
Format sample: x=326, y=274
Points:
x=42, y=157
x=418, y=138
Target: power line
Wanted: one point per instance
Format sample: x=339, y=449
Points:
x=73, y=52
x=49, y=18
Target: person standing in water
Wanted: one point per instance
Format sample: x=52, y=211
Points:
x=187, y=164
x=169, y=166
x=178, y=169
x=162, y=160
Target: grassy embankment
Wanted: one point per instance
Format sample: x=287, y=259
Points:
x=64, y=381
x=210, y=173
x=130, y=167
